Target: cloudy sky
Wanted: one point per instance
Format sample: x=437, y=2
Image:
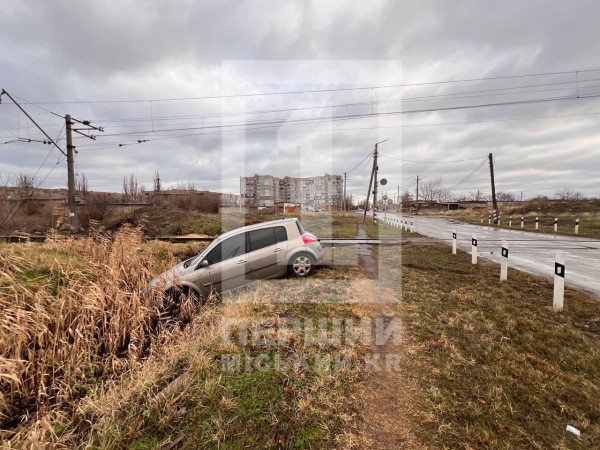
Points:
x=219, y=89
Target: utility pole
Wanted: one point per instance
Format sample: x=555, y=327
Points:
x=375, y=170
x=344, y=191
x=417, y=188
x=369, y=192
x=373, y=178
x=398, y=200
x=494, y=203
x=71, y=173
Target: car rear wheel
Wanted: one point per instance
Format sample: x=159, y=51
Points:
x=302, y=265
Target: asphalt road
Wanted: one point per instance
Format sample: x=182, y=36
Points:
x=531, y=252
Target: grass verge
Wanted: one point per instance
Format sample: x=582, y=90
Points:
x=589, y=221
x=497, y=367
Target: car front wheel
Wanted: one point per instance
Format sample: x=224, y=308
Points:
x=302, y=265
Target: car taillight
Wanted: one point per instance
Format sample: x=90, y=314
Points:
x=308, y=238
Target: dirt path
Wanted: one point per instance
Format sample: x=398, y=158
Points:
x=389, y=396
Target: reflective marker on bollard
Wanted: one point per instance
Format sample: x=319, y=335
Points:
x=454, y=241
x=504, y=262
x=559, y=282
x=474, y=249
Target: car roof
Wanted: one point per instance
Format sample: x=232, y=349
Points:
x=255, y=226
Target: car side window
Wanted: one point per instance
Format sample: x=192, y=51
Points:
x=261, y=238
x=280, y=234
x=229, y=248
x=214, y=256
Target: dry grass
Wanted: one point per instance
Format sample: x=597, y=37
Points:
x=88, y=361
x=497, y=367
x=72, y=316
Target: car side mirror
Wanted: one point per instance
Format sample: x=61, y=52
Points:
x=203, y=264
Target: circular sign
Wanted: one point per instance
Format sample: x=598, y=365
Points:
x=383, y=182
x=385, y=197
x=390, y=201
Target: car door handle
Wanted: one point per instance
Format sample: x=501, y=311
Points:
x=279, y=250
x=242, y=261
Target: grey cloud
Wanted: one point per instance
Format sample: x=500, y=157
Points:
x=141, y=50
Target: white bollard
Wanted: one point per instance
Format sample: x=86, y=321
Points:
x=504, y=262
x=576, y=226
x=555, y=224
x=406, y=225
x=522, y=220
x=454, y=241
x=510, y=222
x=482, y=219
x=498, y=220
x=412, y=229
x=489, y=219
x=559, y=282
x=474, y=249
x=537, y=221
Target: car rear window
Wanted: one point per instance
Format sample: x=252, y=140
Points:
x=300, y=227
x=280, y=234
x=261, y=238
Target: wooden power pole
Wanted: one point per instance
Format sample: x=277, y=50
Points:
x=71, y=174
x=494, y=202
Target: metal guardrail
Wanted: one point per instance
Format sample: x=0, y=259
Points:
x=328, y=242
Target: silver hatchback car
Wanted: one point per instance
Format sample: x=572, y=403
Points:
x=238, y=257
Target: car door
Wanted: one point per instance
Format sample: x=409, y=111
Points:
x=228, y=267
x=268, y=247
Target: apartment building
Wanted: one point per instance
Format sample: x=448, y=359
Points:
x=322, y=193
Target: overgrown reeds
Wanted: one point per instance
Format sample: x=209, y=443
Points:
x=73, y=314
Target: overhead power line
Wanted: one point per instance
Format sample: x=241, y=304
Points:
x=271, y=123
x=470, y=175
x=432, y=162
x=452, y=96
x=313, y=91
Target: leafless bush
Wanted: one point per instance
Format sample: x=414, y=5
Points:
x=568, y=195
x=95, y=208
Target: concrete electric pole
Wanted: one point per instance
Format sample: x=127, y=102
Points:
x=369, y=192
x=417, y=196
x=375, y=169
x=71, y=173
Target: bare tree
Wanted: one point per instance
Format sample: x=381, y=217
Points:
x=505, y=197
x=406, y=197
x=82, y=186
x=24, y=186
x=5, y=182
x=25, y=189
x=432, y=190
x=132, y=193
x=568, y=194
